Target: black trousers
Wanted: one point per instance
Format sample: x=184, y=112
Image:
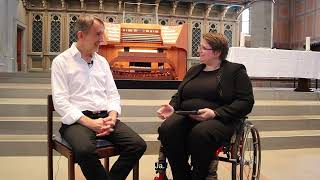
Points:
x=183, y=137
x=83, y=142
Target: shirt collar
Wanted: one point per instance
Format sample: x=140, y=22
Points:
x=75, y=51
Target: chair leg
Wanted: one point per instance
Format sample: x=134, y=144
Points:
x=71, y=173
x=50, y=164
x=106, y=164
x=136, y=171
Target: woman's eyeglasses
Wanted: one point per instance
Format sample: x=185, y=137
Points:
x=204, y=48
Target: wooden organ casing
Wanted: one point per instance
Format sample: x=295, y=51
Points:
x=146, y=51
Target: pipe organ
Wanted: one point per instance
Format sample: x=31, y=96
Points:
x=146, y=51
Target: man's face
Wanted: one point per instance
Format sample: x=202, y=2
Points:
x=93, y=37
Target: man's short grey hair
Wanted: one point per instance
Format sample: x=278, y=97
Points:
x=84, y=23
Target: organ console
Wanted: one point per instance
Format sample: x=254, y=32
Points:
x=146, y=51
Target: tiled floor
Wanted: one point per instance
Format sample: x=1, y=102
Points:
x=295, y=164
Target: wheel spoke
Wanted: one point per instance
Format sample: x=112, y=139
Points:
x=248, y=153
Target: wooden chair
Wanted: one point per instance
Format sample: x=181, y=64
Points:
x=105, y=148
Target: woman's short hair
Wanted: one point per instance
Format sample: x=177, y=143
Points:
x=84, y=23
x=218, y=42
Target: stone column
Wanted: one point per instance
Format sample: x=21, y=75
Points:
x=3, y=35
x=8, y=35
x=261, y=24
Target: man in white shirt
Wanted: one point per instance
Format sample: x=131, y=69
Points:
x=85, y=95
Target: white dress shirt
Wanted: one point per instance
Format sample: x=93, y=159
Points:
x=76, y=87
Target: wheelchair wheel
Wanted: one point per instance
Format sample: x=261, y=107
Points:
x=247, y=152
x=164, y=175
x=162, y=170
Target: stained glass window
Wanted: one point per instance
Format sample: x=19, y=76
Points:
x=72, y=34
x=111, y=19
x=146, y=20
x=55, y=33
x=196, y=37
x=228, y=33
x=180, y=21
x=164, y=21
x=37, y=27
x=213, y=27
x=129, y=19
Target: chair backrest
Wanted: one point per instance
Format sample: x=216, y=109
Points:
x=50, y=103
x=50, y=110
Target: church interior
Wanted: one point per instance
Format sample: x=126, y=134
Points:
x=150, y=45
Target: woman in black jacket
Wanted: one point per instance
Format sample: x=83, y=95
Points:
x=221, y=93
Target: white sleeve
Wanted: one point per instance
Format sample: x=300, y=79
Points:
x=60, y=95
x=112, y=93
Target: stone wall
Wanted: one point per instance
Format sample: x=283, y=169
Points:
x=10, y=19
x=260, y=23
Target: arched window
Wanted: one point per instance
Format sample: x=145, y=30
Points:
x=213, y=27
x=72, y=34
x=228, y=33
x=37, y=27
x=111, y=19
x=179, y=22
x=146, y=20
x=245, y=21
x=164, y=21
x=196, y=38
x=55, y=33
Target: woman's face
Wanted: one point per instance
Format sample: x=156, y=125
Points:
x=207, y=55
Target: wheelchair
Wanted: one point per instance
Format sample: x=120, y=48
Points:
x=243, y=151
